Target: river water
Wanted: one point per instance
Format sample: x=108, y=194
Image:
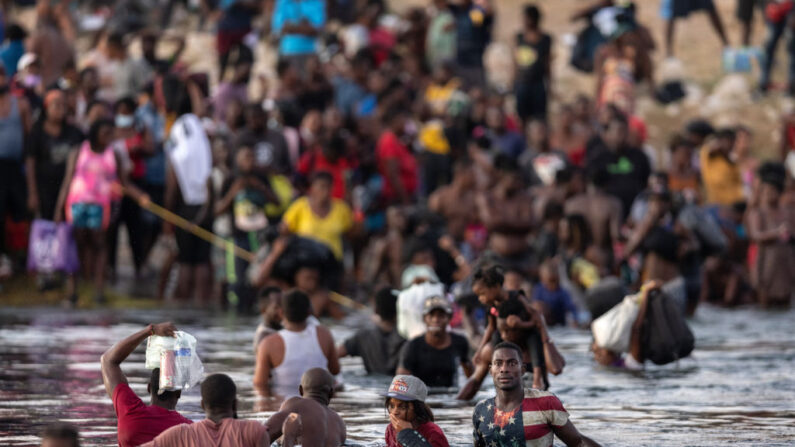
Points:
x=737, y=388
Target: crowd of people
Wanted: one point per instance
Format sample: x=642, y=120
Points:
x=380, y=168
x=379, y=148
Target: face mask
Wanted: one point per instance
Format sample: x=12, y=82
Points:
x=31, y=80
x=124, y=121
x=307, y=135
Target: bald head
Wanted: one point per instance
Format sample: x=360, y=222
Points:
x=317, y=383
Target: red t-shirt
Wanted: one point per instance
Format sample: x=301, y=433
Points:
x=430, y=431
x=390, y=148
x=138, y=422
x=315, y=161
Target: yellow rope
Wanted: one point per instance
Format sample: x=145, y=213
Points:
x=224, y=244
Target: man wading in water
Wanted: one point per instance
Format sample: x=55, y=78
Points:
x=307, y=420
x=519, y=416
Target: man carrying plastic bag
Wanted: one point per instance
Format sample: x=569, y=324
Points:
x=137, y=422
x=618, y=331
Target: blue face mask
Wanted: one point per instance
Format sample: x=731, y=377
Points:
x=124, y=121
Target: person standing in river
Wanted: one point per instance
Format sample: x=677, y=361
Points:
x=307, y=420
x=410, y=418
x=433, y=356
x=303, y=344
x=137, y=422
x=221, y=427
x=517, y=416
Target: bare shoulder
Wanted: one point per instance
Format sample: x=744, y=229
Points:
x=324, y=332
x=269, y=343
x=293, y=404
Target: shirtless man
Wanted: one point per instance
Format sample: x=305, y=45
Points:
x=303, y=344
x=602, y=211
x=456, y=201
x=507, y=213
x=307, y=420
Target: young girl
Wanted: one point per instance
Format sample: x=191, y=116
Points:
x=770, y=227
x=92, y=174
x=405, y=403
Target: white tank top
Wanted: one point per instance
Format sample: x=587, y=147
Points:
x=301, y=352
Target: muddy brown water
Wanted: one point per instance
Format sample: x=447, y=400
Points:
x=737, y=388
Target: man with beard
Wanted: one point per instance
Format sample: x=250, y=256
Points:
x=519, y=416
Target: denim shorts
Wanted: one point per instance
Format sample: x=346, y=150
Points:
x=87, y=215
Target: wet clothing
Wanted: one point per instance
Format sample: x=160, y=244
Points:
x=435, y=367
x=379, y=350
x=139, y=423
x=430, y=431
x=302, y=352
x=531, y=424
x=229, y=433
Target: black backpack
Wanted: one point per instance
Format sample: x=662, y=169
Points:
x=666, y=336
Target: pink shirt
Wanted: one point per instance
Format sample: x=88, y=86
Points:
x=229, y=433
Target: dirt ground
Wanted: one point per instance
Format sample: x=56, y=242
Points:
x=726, y=99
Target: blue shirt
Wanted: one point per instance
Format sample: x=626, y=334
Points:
x=347, y=94
x=509, y=143
x=293, y=12
x=10, y=55
x=558, y=301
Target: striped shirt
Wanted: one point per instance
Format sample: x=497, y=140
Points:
x=528, y=425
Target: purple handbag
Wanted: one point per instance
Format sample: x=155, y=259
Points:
x=52, y=248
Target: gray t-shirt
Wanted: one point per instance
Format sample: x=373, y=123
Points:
x=380, y=350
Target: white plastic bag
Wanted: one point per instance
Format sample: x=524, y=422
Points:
x=613, y=330
x=180, y=366
x=410, y=305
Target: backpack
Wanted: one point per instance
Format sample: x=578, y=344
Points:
x=584, y=51
x=666, y=336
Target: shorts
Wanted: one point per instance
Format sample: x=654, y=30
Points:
x=192, y=250
x=87, y=215
x=531, y=100
x=676, y=9
x=228, y=39
x=745, y=9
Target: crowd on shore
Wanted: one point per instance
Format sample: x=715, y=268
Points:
x=380, y=164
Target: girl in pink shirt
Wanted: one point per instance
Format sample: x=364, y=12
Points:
x=93, y=176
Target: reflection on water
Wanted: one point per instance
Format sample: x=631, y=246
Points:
x=737, y=387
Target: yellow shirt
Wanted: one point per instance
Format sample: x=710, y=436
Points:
x=722, y=180
x=328, y=230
